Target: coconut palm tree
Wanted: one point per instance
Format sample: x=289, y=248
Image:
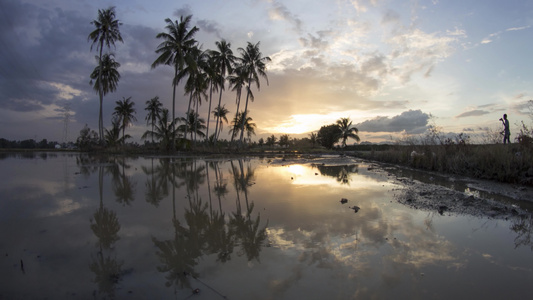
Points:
x=196, y=84
x=165, y=131
x=254, y=65
x=125, y=112
x=224, y=60
x=220, y=113
x=112, y=136
x=154, y=108
x=238, y=81
x=106, y=33
x=213, y=81
x=347, y=130
x=193, y=125
x=174, y=50
x=104, y=80
x=249, y=127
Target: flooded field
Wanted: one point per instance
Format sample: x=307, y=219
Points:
x=75, y=226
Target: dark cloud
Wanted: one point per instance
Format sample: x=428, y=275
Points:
x=209, y=27
x=473, y=113
x=281, y=11
x=411, y=121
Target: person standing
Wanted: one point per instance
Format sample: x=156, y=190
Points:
x=506, y=131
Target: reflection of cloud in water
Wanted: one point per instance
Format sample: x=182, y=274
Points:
x=65, y=206
x=401, y=244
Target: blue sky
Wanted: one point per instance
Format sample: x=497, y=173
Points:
x=387, y=65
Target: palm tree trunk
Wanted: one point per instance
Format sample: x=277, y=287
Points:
x=219, y=100
x=245, y=108
x=174, y=108
x=236, y=116
x=101, y=94
x=209, y=112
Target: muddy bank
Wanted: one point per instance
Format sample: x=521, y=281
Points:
x=442, y=193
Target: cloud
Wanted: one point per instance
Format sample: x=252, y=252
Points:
x=473, y=113
x=411, y=121
x=281, y=12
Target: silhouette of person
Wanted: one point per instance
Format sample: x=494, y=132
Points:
x=506, y=131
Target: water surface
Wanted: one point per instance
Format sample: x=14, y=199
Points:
x=75, y=226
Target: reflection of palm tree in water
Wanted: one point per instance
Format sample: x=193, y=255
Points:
x=122, y=185
x=156, y=186
x=523, y=226
x=342, y=174
x=246, y=230
x=105, y=227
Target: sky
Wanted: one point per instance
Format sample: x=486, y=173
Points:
x=393, y=67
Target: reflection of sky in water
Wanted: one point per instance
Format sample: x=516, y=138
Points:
x=315, y=247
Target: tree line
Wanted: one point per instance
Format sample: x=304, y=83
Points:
x=204, y=72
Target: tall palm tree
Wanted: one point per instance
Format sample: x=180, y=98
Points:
x=104, y=80
x=174, y=49
x=106, y=33
x=254, y=65
x=154, y=107
x=224, y=60
x=125, y=111
x=213, y=81
x=347, y=130
x=238, y=81
x=220, y=113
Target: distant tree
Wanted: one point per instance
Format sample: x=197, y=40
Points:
x=313, y=139
x=271, y=140
x=112, y=136
x=347, y=130
x=125, y=112
x=329, y=135
x=284, y=140
x=87, y=139
x=261, y=142
x=106, y=32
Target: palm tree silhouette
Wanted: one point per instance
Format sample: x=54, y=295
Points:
x=125, y=112
x=193, y=124
x=241, y=124
x=254, y=65
x=220, y=113
x=104, y=80
x=106, y=32
x=174, y=51
x=154, y=108
x=165, y=131
x=238, y=81
x=224, y=60
x=347, y=130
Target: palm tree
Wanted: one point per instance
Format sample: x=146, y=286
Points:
x=154, y=107
x=125, y=113
x=254, y=66
x=238, y=81
x=174, y=50
x=165, y=131
x=106, y=32
x=224, y=60
x=209, y=68
x=347, y=130
x=220, y=113
x=112, y=137
x=193, y=125
x=249, y=127
x=196, y=85
x=104, y=80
